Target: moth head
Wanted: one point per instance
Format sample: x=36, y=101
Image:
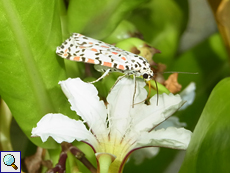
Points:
x=148, y=75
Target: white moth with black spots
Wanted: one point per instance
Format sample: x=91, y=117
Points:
x=107, y=58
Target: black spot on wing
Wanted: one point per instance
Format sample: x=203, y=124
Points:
x=82, y=43
x=68, y=57
x=100, y=52
x=139, y=64
x=115, y=65
x=97, y=58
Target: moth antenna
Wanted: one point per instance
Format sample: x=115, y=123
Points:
x=179, y=72
x=135, y=87
x=157, y=91
x=149, y=90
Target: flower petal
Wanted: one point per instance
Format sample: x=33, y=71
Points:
x=61, y=128
x=141, y=154
x=152, y=115
x=188, y=95
x=149, y=152
x=120, y=103
x=84, y=100
x=177, y=138
x=171, y=122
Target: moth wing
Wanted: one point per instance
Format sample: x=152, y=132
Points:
x=85, y=49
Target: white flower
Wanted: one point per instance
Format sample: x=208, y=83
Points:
x=147, y=153
x=117, y=129
x=188, y=94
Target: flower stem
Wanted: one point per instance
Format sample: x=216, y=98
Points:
x=81, y=157
x=104, y=160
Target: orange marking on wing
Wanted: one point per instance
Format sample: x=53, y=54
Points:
x=65, y=54
x=123, y=58
x=105, y=46
x=91, y=61
x=82, y=47
x=115, y=53
x=93, y=49
x=107, y=64
x=76, y=58
x=90, y=42
x=121, y=67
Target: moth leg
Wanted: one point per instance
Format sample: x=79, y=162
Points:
x=135, y=87
x=118, y=79
x=106, y=72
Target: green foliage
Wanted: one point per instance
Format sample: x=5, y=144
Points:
x=209, y=148
x=30, y=69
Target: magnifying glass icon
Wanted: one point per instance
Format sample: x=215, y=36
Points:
x=9, y=160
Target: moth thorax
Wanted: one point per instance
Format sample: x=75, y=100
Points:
x=147, y=74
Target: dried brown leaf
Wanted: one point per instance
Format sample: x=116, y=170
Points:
x=158, y=73
x=172, y=84
x=148, y=52
x=33, y=163
x=221, y=11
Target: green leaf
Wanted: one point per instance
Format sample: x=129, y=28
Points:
x=162, y=23
x=98, y=19
x=209, y=149
x=29, y=68
x=209, y=59
x=123, y=31
x=5, y=120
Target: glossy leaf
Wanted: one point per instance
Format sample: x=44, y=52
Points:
x=29, y=67
x=209, y=59
x=210, y=145
x=162, y=23
x=98, y=19
x=222, y=13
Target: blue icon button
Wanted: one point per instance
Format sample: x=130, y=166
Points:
x=9, y=160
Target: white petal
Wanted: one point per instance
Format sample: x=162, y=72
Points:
x=141, y=154
x=188, y=95
x=120, y=103
x=171, y=122
x=61, y=128
x=177, y=138
x=84, y=100
x=150, y=116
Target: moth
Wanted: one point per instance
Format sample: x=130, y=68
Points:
x=106, y=58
